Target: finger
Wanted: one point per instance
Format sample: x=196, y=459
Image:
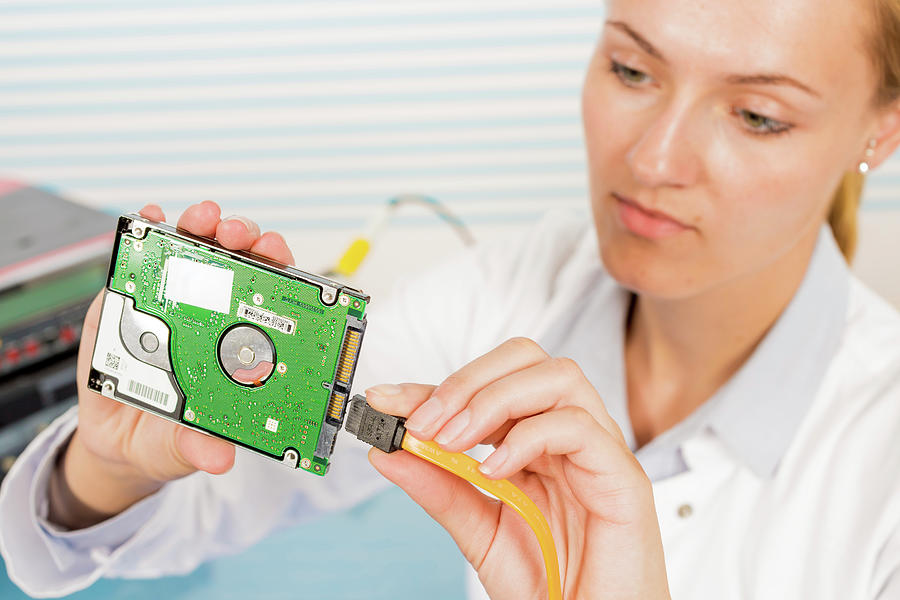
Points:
x=398, y=399
x=402, y=399
x=89, y=328
x=570, y=431
x=495, y=438
x=237, y=233
x=550, y=384
x=272, y=245
x=467, y=514
x=204, y=452
x=153, y=212
x=454, y=393
x=201, y=219
x=86, y=351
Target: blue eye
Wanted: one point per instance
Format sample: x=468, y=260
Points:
x=760, y=124
x=628, y=76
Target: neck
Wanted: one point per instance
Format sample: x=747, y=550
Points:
x=679, y=352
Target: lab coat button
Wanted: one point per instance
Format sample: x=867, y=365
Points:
x=685, y=511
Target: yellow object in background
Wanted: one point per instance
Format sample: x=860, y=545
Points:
x=353, y=257
x=359, y=249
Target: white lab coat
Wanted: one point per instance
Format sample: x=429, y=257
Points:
x=826, y=525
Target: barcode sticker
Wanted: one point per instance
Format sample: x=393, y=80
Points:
x=266, y=319
x=150, y=395
x=112, y=361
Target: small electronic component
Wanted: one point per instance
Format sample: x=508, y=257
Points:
x=228, y=343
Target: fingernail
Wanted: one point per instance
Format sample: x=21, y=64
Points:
x=494, y=461
x=250, y=225
x=425, y=415
x=385, y=389
x=454, y=428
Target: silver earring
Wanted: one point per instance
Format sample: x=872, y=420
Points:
x=870, y=152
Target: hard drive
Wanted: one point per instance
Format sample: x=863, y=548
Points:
x=227, y=343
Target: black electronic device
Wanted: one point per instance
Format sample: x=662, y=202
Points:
x=53, y=261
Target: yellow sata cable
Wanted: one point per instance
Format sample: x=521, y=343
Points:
x=387, y=433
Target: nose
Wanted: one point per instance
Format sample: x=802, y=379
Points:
x=664, y=155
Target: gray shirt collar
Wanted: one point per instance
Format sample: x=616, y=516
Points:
x=757, y=412
x=760, y=408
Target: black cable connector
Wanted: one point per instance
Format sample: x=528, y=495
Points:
x=375, y=428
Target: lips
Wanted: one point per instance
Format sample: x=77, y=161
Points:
x=644, y=222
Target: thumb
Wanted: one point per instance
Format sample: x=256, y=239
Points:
x=469, y=516
x=204, y=452
x=400, y=400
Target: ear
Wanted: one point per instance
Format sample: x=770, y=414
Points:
x=887, y=134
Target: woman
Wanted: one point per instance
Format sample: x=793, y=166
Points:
x=734, y=395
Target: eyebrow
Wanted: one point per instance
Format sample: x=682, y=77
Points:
x=638, y=39
x=771, y=79
x=736, y=79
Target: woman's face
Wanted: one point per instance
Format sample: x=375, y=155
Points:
x=717, y=133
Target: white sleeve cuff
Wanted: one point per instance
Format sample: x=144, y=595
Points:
x=42, y=558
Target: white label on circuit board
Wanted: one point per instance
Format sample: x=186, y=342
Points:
x=198, y=284
x=272, y=425
x=266, y=318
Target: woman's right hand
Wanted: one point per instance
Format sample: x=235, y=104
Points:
x=119, y=454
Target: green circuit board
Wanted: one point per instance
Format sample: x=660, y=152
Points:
x=223, y=311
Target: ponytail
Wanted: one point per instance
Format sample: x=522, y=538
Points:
x=842, y=217
x=884, y=43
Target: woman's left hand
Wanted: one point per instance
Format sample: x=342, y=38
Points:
x=557, y=443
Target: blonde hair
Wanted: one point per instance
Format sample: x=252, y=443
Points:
x=885, y=50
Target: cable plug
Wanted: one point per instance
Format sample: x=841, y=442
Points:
x=375, y=428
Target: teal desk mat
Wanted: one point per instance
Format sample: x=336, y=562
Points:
x=385, y=548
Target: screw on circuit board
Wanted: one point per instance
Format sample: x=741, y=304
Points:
x=305, y=463
x=189, y=415
x=290, y=458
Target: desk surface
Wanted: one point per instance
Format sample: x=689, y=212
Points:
x=386, y=548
